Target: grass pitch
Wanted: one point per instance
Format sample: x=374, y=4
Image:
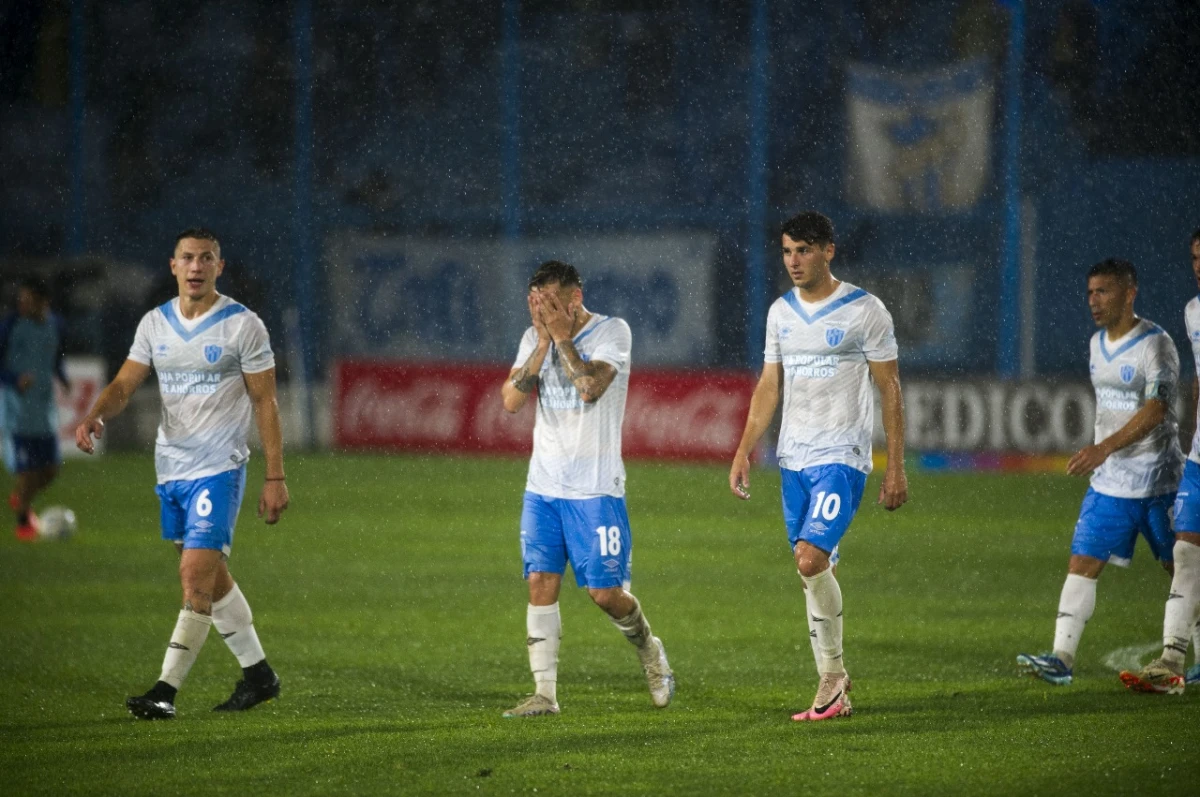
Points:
x=390, y=601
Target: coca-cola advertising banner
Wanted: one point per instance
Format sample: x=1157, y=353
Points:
x=419, y=406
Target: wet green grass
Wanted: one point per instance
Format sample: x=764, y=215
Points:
x=391, y=603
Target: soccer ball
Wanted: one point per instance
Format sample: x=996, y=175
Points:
x=57, y=523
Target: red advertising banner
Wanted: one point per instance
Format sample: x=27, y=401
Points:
x=419, y=406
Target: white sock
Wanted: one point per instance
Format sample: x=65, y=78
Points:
x=1196, y=637
x=191, y=630
x=812, y=629
x=636, y=629
x=544, y=626
x=235, y=623
x=1075, y=607
x=1179, y=617
x=825, y=607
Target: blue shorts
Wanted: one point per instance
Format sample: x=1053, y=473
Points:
x=34, y=453
x=1187, y=500
x=819, y=503
x=201, y=513
x=592, y=533
x=1108, y=527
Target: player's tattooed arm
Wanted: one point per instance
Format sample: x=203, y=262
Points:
x=523, y=379
x=591, y=378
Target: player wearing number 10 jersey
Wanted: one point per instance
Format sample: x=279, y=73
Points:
x=215, y=368
x=574, y=505
x=827, y=340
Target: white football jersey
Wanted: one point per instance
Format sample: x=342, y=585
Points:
x=199, y=362
x=1191, y=317
x=828, y=400
x=1143, y=364
x=577, y=446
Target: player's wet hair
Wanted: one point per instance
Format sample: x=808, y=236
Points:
x=1196, y=235
x=809, y=226
x=200, y=234
x=556, y=271
x=1115, y=267
x=37, y=286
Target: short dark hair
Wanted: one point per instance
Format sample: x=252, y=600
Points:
x=1115, y=267
x=200, y=234
x=809, y=226
x=36, y=285
x=1196, y=235
x=556, y=271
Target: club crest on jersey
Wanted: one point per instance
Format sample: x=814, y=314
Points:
x=834, y=336
x=1127, y=373
x=212, y=353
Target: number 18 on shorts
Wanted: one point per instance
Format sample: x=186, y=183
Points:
x=592, y=534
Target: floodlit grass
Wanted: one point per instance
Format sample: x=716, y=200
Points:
x=391, y=603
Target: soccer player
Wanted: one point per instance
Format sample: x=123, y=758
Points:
x=214, y=364
x=1165, y=674
x=827, y=341
x=31, y=358
x=574, y=506
x=1135, y=462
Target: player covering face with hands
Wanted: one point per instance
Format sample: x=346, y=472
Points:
x=827, y=342
x=577, y=364
x=216, y=371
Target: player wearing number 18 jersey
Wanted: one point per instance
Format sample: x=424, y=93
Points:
x=574, y=505
x=215, y=370
x=827, y=340
x=1135, y=462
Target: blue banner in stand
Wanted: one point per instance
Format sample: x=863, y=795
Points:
x=919, y=142
x=425, y=298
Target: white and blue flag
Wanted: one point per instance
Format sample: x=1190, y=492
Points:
x=920, y=142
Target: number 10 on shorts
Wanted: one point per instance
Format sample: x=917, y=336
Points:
x=610, y=540
x=827, y=506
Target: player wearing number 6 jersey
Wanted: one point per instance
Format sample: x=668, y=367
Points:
x=574, y=506
x=827, y=340
x=215, y=369
x=1135, y=462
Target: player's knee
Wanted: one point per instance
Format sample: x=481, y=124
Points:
x=543, y=588
x=811, y=561
x=612, y=599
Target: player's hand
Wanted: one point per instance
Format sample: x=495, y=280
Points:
x=555, y=317
x=273, y=501
x=739, y=477
x=1087, y=460
x=25, y=381
x=535, y=315
x=84, y=432
x=893, y=493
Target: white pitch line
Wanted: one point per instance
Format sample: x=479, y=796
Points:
x=1130, y=658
